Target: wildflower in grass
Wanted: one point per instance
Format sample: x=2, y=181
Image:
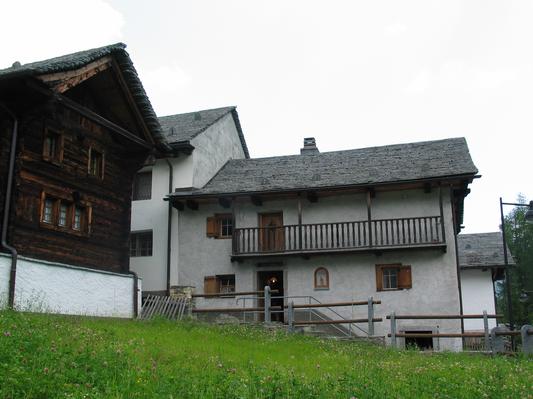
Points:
x=7, y=334
x=46, y=370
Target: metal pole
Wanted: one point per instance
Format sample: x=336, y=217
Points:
x=393, y=329
x=487, y=332
x=267, y=304
x=507, y=274
x=290, y=315
x=370, y=317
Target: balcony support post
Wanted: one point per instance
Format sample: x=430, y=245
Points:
x=443, y=230
x=300, y=233
x=369, y=212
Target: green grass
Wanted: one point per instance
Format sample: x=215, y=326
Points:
x=43, y=356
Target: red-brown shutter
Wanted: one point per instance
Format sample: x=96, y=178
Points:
x=404, y=277
x=212, y=227
x=210, y=285
x=379, y=278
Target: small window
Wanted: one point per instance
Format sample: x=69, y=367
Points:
x=226, y=283
x=48, y=210
x=220, y=226
x=79, y=216
x=141, y=244
x=321, y=279
x=63, y=214
x=393, y=277
x=96, y=163
x=142, y=186
x=52, y=146
x=221, y=284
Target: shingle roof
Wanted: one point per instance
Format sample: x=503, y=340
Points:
x=184, y=127
x=482, y=250
x=82, y=58
x=365, y=166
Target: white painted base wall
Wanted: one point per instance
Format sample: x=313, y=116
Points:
x=48, y=287
x=478, y=295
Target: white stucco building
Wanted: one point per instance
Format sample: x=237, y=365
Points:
x=203, y=142
x=482, y=263
x=375, y=222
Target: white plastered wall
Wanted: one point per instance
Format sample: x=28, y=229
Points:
x=57, y=288
x=434, y=273
x=213, y=148
x=478, y=295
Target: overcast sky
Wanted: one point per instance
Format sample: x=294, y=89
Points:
x=351, y=74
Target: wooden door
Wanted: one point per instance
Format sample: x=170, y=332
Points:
x=271, y=232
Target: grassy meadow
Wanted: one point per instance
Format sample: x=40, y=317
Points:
x=44, y=356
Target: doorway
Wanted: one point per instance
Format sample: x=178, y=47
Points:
x=421, y=343
x=271, y=232
x=274, y=279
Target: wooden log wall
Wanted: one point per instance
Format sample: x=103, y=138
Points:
x=106, y=245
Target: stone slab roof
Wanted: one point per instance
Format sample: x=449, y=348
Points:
x=482, y=250
x=79, y=59
x=184, y=127
x=365, y=166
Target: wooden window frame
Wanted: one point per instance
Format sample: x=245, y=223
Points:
x=71, y=206
x=403, y=279
x=214, y=226
x=57, y=158
x=214, y=284
x=102, y=163
x=317, y=285
x=136, y=235
x=136, y=185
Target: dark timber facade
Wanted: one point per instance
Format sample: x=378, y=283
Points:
x=85, y=127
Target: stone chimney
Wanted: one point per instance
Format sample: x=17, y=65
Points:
x=309, y=147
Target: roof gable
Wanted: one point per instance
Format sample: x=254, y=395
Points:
x=184, y=127
x=76, y=62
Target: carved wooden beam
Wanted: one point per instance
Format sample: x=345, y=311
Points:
x=256, y=200
x=224, y=202
x=312, y=196
x=178, y=205
x=192, y=205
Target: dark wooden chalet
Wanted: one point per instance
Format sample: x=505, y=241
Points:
x=85, y=127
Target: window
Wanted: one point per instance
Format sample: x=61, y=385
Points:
x=77, y=221
x=220, y=226
x=52, y=146
x=64, y=215
x=63, y=212
x=220, y=284
x=48, y=210
x=96, y=163
x=142, y=186
x=321, y=279
x=141, y=244
x=393, y=277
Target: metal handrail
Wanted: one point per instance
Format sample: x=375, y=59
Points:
x=322, y=317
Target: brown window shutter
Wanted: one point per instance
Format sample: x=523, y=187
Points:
x=212, y=227
x=404, y=277
x=379, y=278
x=210, y=285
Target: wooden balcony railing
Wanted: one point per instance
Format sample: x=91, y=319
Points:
x=323, y=237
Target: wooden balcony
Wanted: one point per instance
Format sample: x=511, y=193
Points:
x=321, y=238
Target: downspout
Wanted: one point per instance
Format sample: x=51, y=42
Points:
x=169, y=222
x=135, y=293
x=7, y=204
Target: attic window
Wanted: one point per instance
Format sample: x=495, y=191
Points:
x=52, y=146
x=96, y=163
